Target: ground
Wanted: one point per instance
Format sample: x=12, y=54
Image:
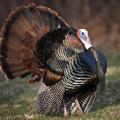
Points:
x=18, y=98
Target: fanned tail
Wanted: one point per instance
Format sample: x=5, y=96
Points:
x=22, y=29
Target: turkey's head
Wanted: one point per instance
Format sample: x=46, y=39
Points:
x=84, y=37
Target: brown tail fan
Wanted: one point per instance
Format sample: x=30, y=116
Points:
x=24, y=26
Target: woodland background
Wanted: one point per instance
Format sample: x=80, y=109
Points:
x=102, y=19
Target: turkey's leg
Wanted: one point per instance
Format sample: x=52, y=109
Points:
x=65, y=109
x=80, y=112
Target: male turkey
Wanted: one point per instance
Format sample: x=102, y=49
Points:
x=36, y=40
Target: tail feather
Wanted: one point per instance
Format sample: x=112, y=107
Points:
x=22, y=29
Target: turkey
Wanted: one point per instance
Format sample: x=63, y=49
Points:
x=35, y=40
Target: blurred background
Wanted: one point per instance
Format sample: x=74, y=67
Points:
x=102, y=19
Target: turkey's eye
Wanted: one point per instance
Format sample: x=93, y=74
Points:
x=82, y=33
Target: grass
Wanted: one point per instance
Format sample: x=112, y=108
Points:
x=18, y=98
x=113, y=71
